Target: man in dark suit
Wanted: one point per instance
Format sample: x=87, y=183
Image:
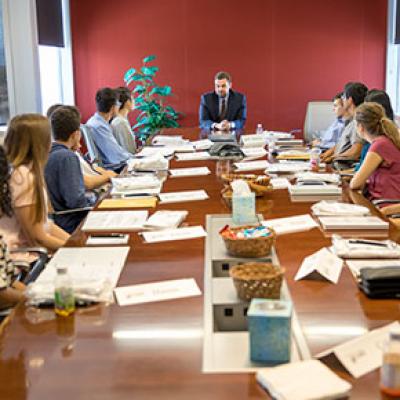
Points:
x=222, y=109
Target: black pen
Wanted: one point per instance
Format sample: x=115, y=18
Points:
x=353, y=241
x=110, y=235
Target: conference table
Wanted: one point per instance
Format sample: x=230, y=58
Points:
x=154, y=350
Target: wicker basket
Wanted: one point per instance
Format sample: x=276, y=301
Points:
x=249, y=247
x=247, y=177
x=257, y=280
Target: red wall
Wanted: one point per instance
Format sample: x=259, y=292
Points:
x=281, y=53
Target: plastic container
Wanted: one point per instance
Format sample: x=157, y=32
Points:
x=390, y=371
x=315, y=159
x=259, y=129
x=64, y=299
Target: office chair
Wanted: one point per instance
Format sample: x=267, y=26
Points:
x=319, y=116
x=93, y=154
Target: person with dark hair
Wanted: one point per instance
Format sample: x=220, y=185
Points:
x=380, y=172
x=63, y=172
x=331, y=135
x=120, y=124
x=111, y=152
x=52, y=108
x=348, y=148
x=382, y=98
x=223, y=109
x=27, y=145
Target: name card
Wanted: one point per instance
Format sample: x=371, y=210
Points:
x=157, y=291
x=183, y=172
x=251, y=165
x=178, y=197
x=167, y=235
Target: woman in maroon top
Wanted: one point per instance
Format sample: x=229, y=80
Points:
x=380, y=172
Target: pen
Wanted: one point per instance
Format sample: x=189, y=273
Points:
x=353, y=241
x=110, y=235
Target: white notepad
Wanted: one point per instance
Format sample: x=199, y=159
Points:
x=287, y=167
x=183, y=172
x=365, y=222
x=115, y=220
x=150, y=151
x=204, y=144
x=157, y=291
x=165, y=219
x=304, y=380
x=200, y=155
x=336, y=208
x=355, y=266
x=304, y=190
x=167, y=235
x=178, y=197
x=254, y=152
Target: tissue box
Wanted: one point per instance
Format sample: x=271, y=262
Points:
x=270, y=330
x=244, y=209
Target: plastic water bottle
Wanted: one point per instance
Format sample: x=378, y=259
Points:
x=390, y=371
x=64, y=299
x=314, y=159
x=259, y=129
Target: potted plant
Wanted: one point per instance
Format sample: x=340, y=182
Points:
x=149, y=99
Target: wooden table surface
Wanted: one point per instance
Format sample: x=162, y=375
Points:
x=154, y=351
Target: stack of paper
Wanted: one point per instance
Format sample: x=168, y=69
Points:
x=178, y=197
x=184, y=172
x=251, y=165
x=279, y=183
x=254, y=152
x=181, y=148
x=293, y=155
x=135, y=185
x=287, y=168
x=148, y=151
x=292, y=382
x=277, y=135
x=356, y=265
x=135, y=202
x=167, y=235
x=253, y=140
x=164, y=140
x=115, y=221
x=364, y=248
x=152, y=163
x=314, y=177
x=338, y=208
x=94, y=272
x=204, y=144
x=297, y=223
x=200, y=155
x=289, y=142
x=366, y=222
x=165, y=219
x=314, y=189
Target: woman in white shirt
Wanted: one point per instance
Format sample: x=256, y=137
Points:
x=120, y=124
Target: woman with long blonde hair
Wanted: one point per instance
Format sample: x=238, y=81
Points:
x=27, y=145
x=380, y=171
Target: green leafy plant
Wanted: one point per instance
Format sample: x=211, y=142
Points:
x=150, y=101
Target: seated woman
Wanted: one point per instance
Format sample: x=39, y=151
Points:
x=24, y=220
x=11, y=291
x=380, y=171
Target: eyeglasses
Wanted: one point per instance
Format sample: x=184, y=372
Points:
x=118, y=104
x=343, y=97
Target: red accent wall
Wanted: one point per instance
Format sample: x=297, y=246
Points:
x=280, y=53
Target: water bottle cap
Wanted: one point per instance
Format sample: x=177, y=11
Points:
x=61, y=269
x=395, y=334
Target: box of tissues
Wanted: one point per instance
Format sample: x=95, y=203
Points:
x=270, y=330
x=243, y=203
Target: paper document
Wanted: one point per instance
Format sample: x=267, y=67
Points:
x=157, y=291
x=86, y=263
x=181, y=148
x=166, y=235
x=165, y=219
x=304, y=380
x=356, y=265
x=200, y=155
x=365, y=222
x=153, y=163
x=251, y=165
x=253, y=141
x=278, y=135
x=178, y=197
x=314, y=189
x=286, y=168
x=324, y=263
x=364, y=354
x=204, y=144
x=297, y=223
x=316, y=177
x=254, y=152
x=139, y=202
x=135, y=182
x=115, y=220
x=151, y=151
x=293, y=155
x=183, y=172
x=163, y=140
x=279, y=183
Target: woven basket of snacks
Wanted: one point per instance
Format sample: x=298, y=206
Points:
x=257, y=280
x=259, y=184
x=248, y=241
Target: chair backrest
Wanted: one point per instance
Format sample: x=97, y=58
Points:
x=319, y=116
x=92, y=155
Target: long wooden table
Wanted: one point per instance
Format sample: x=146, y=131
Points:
x=154, y=351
